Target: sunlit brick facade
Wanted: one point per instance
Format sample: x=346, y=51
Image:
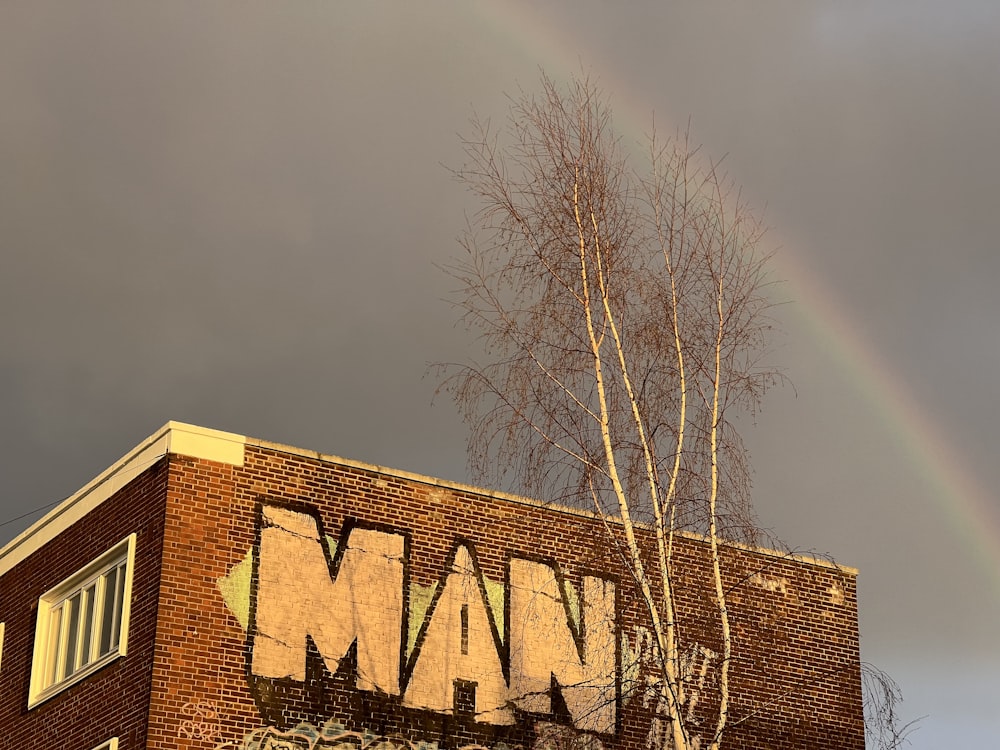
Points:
x=214, y=591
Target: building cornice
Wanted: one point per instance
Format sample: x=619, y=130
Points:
x=173, y=437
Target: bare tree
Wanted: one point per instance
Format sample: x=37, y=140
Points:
x=625, y=320
x=884, y=727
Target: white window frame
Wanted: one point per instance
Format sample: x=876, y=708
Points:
x=111, y=744
x=3, y=626
x=88, y=583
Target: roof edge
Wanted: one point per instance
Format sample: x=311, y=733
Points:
x=522, y=500
x=229, y=448
x=173, y=437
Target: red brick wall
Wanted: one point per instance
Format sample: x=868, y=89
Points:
x=199, y=648
x=795, y=624
x=113, y=701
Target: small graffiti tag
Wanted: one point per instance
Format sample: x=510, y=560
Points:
x=333, y=736
x=549, y=736
x=695, y=666
x=202, y=722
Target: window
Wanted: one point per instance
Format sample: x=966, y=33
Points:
x=1, y=641
x=82, y=622
x=111, y=744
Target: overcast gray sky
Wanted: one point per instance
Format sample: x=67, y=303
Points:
x=230, y=214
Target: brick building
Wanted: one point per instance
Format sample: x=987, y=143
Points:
x=215, y=591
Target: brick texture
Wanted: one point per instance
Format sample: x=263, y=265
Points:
x=186, y=680
x=114, y=701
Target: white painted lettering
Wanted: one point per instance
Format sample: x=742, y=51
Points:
x=458, y=655
x=458, y=644
x=543, y=646
x=296, y=597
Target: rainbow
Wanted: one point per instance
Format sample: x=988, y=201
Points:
x=961, y=498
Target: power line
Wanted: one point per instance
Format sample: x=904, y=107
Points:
x=33, y=512
x=139, y=468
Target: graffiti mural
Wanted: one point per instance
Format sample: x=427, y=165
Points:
x=320, y=611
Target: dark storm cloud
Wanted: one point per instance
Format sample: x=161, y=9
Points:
x=206, y=211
